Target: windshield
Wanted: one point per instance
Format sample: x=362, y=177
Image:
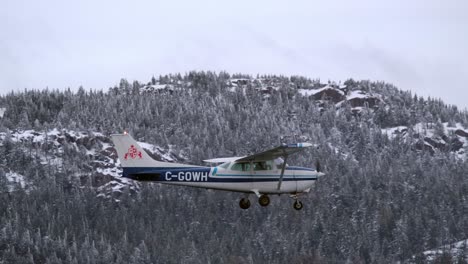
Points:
x=278, y=163
x=225, y=165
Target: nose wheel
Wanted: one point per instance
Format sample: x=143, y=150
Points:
x=244, y=203
x=298, y=205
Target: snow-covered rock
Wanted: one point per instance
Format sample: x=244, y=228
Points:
x=104, y=172
x=455, y=251
x=328, y=93
x=461, y=133
x=239, y=82
x=426, y=139
x=15, y=180
x=157, y=87
x=359, y=98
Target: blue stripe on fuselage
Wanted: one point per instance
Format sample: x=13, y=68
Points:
x=189, y=174
x=202, y=174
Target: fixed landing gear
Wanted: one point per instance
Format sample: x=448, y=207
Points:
x=264, y=200
x=298, y=205
x=244, y=203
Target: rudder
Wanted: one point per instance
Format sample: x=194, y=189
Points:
x=131, y=154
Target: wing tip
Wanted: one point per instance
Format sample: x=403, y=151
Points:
x=300, y=145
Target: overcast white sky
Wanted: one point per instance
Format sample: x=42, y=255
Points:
x=416, y=45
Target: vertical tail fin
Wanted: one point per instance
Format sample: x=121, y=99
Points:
x=132, y=155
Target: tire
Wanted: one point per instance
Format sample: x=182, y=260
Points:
x=244, y=203
x=298, y=205
x=264, y=200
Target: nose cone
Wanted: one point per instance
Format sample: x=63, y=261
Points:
x=320, y=174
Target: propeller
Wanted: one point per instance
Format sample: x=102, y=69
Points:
x=318, y=168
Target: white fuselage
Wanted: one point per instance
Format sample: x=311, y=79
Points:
x=295, y=179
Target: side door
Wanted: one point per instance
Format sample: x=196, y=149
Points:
x=265, y=176
x=240, y=174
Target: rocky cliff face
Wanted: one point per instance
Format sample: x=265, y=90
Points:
x=99, y=168
x=423, y=137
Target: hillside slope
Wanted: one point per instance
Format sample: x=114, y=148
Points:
x=396, y=169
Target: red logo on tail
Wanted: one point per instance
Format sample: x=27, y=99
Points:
x=133, y=153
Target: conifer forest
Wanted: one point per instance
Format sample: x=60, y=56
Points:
x=395, y=189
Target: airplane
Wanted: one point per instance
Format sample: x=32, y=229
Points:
x=261, y=174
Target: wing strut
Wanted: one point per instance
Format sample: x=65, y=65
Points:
x=282, y=171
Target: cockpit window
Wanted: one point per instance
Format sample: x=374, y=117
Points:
x=225, y=165
x=257, y=166
x=245, y=166
x=262, y=165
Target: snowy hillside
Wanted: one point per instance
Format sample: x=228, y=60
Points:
x=102, y=168
x=106, y=173
x=395, y=186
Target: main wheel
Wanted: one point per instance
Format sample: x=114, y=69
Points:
x=264, y=200
x=298, y=205
x=244, y=203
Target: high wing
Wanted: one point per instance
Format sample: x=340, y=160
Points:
x=222, y=160
x=281, y=151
